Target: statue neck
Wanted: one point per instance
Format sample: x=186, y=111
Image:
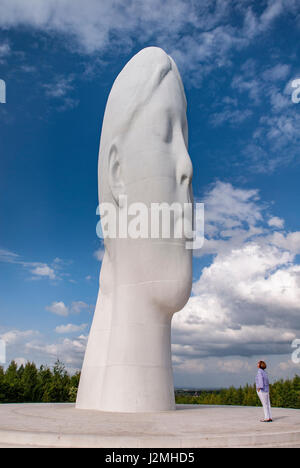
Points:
x=138, y=367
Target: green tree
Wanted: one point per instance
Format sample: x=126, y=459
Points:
x=74, y=384
x=58, y=390
x=29, y=382
x=13, y=384
x=44, y=379
x=3, y=385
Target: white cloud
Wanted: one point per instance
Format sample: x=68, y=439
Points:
x=275, y=139
x=30, y=345
x=8, y=256
x=58, y=308
x=99, y=254
x=268, y=85
x=232, y=117
x=231, y=216
x=70, y=351
x=248, y=84
x=280, y=129
x=188, y=366
x=4, y=50
x=276, y=222
x=44, y=271
x=255, y=24
x=278, y=72
x=289, y=241
x=279, y=100
x=247, y=301
x=233, y=366
x=70, y=328
x=28, y=69
x=79, y=306
x=289, y=366
x=59, y=90
x=14, y=336
x=92, y=25
x=194, y=32
x=37, y=270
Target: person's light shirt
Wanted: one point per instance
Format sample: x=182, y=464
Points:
x=262, y=381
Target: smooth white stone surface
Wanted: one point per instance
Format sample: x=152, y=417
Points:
x=61, y=425
x=143, y=156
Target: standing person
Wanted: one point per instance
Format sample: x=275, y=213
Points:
x=262, y=387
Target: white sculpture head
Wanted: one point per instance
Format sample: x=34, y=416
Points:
x=144, y=281
x=144, y=156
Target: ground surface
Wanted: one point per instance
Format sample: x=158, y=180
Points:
x=61, y=425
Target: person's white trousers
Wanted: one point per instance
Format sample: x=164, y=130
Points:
x=265, y=401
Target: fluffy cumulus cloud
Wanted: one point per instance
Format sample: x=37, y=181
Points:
x=31, y=345
x=71, y=351
x=43, y=271
x=276, y=222
x=12, y=344
x=16, y=336
x=60, y=308
x=247, y=301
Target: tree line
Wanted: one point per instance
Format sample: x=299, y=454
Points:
x=29, y=384
x=283, y=394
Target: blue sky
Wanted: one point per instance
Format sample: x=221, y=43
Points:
x=237, y=60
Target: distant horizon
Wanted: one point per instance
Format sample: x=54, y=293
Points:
x=58, y=64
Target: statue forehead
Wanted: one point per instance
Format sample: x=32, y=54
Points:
x=144, y=62
x=143, y=75
x=134, y=88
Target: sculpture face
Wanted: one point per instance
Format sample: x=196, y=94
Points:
x=155, y=168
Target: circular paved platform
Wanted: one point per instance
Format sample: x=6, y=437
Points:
x=61, y=425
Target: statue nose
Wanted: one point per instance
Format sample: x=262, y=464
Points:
x=185, y=170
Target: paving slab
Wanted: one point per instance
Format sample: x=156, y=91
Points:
x=190, y=426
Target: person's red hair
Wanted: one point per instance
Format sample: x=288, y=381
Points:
x=262, y=365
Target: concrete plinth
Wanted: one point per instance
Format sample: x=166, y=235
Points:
x=61, y=425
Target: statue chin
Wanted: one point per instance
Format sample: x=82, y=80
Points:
x=171, y=296
x=164, y=274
